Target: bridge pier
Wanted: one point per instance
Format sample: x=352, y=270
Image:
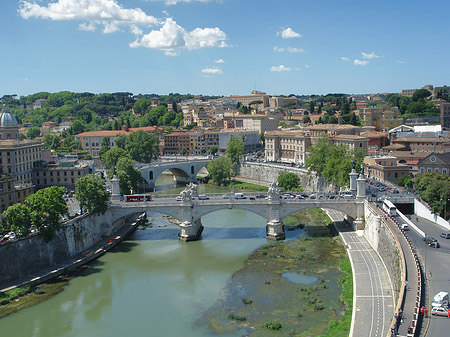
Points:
x=190, y=231
x=275, y=230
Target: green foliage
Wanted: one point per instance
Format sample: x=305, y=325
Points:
x=235, y=149
x=18, y=219
x=220, y=170
x=33, y=132
x=121, y=141
x=288, y=181
x=420, y=94
x=47, y=206
x=213, y=149
x=141, y=106
x=306, y=120
x=237, y=318
x=112, y=156
x=333, y=161
x=91, y=193
x=13, y=294
x=142, y=146
x=434, y=188
x=128, y=175
x=273, y=325
x=406, y=180
x=52, y=142
x=105, y=146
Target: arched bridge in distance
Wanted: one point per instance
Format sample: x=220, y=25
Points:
x=184, y=171
x=190, y=212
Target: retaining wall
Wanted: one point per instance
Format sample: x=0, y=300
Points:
x=269, y=172
x=23, y=257
x=423, y=211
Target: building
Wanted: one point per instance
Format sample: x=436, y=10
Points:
x=39, y=103
x=65, y=173
x=377, y=140
x=383, y=117
x=331, y=130
x=177, y=142
x=286, y=146
x=445, y=115
x=435, y=162
x=250, y=139
x=353, y=142
x=424, y=144
x=282, y=101
x=253, y=97
x=7, y=192
x=384, y=168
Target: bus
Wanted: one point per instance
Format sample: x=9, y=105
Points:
x=389, y=207
x=138, y=197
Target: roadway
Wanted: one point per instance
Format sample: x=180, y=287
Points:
x=436, y=264
x=373, y=304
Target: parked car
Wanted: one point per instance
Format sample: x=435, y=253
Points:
x=240, y=196
x=429, y=239
x=179, y=198
x=252, y=198
x=445, y=235
x=439, y=311
x=299, y=197
x=261, y=196
x=312, y=196
x=226, y=196
x=434, y=244
x=203, y=197
x=405, y=227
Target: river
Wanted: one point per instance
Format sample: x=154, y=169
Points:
x=150, y=285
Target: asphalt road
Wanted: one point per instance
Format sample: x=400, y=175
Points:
x=436, y=264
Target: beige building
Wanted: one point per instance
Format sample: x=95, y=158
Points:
x=385, y=168
x=281, y=102
x=435, y=162
x=382, y=117
x=64, y=174
x=254, y=96
x=286, y=146
x=424, y=144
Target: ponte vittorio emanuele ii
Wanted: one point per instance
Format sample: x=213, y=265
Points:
x=190, y=210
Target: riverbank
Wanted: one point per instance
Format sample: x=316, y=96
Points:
x=25, y=292
x=301, y=287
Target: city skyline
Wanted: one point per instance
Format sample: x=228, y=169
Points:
x=225, y=47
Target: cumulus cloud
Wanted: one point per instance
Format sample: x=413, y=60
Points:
x=87, y=27
x=280, y=68
x=370, y=56
x=212, y=71
x=346, y=59
x=307, y=66
x=219, y=61
x=357, y=62
x=288, y=49
x=288, y=33
x=171, y=38
x=106, y=12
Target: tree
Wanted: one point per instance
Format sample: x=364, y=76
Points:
x=33, y=132
x=141, y=106
x=18, y=219
x=142, y=146
x=213, y=149
x=47, y=207
x=121, y=140
x=105, y=146
x=235, y=149
x=288, y=181
x=311, y=107
x=128, y=175
x=306, y=120
x=220, y=170
x=184, y=151
x=77, y=127
x=52, y=142
x=420, y=95
x=91, y=193
x=112, y=156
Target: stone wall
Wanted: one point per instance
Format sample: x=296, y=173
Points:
x=382, y=240
x=26, y=256
x=269, y=172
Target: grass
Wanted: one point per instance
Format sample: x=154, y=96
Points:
x=273, y=325
x=13, y=294
x=248, y=186
x=237, y=318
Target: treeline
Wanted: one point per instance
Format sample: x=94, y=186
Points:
x=434, y=188
x=418, y=105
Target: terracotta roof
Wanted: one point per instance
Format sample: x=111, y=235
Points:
x=374, y=134
x=394, y=147
x=422, y=139
x=102, y=133
x=350, y=137
x=331, y=126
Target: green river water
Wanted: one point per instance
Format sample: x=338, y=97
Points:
x=154, y=285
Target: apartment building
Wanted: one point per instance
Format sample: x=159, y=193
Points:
x=383, y=117
x=288, y=146
x=435, y=162
x=424, y=144
x=384, y=168
x=64, y=173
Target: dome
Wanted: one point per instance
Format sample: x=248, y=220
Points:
x=6, y=119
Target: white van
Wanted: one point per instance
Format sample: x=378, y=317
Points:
x=240, y=196
x=346, y=195
x=440, y=300
x=405, y=227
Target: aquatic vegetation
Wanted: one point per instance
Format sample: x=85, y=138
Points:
x=273, y=325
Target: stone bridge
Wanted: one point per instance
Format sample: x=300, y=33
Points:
x=183, y=171
x=190, y=212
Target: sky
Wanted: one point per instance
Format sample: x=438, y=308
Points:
x=223, y=47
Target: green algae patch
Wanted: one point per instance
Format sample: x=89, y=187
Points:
x=271, y=297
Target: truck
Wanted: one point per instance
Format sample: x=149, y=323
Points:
x=440, y=300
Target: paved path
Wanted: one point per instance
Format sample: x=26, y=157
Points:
x=373, y=303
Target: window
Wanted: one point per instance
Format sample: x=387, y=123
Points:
x=444, y=171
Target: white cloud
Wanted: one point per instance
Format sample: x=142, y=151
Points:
x=280, y=68
x=171, y=38
x=212, y=71
x=87, y=27
x=401, y=62
x=289, y=50
x=219, y=61
x=174, y=2
x=346, y=59
x=106, y=12
x=370, y=56
x=289, y=33
x=307, y=66
x=135, y=30
x=357, y=62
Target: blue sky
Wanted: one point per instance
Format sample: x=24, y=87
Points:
x=223, y=47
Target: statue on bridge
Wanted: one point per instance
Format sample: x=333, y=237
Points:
x=274, y=191
x=189, y=192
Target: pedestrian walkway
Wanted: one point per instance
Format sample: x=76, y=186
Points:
x=373, y=302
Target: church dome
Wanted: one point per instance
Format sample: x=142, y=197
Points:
x=6, y=119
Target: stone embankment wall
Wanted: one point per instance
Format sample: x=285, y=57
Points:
x=385, y=244
x=26, y=256
x=269, y=172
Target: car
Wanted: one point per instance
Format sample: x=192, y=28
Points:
x=439, y=311
x=404, y=227
x=299, y=197
x=260, y=196
x=226, y=196
x=434, y=244
x=312, y=196
x=203, y=197
x=429, y=239
x=179, y=198
x=445, y=235
x=331, y=196
x=240, y=196
x=252, y=198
